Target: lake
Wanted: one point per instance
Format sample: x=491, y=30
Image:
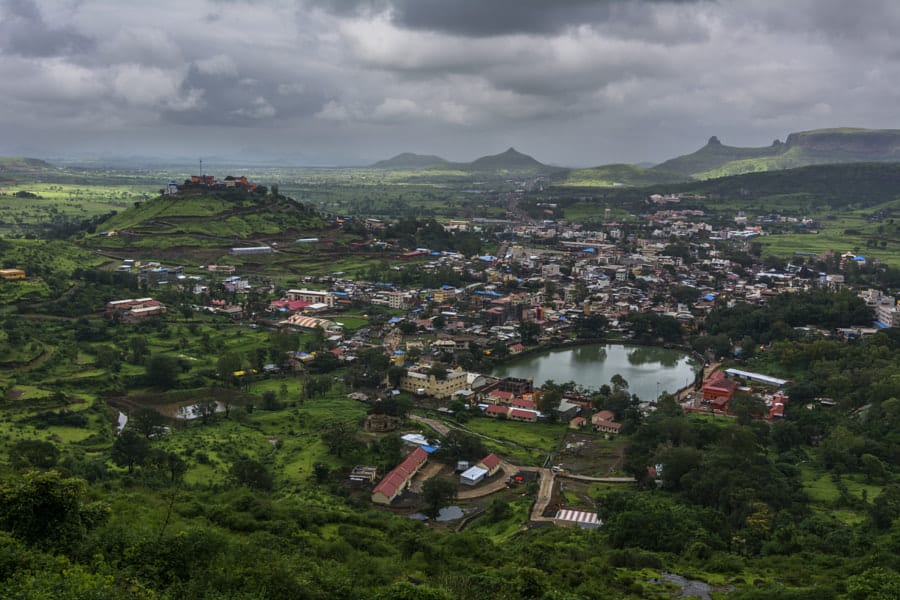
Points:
x=648, y=370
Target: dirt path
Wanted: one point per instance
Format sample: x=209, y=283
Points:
x=429, y=471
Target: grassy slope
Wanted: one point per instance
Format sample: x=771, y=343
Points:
x=804, y=148
x=713, y=156
x=214, y=215
x=609, y=175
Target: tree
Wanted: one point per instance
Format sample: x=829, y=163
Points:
x=47, y=510
x=874, y=469
x=459, y=445
x=130, y=449
x=171, y=464
x=251, y=473
x=684, y=294
x=618, y=382
x=529, y=332
x=340, y=439
x=37, y=454
x=438, y=371
x=109, y=357
x=549, y=402
x=591, y=326
x=437, y=493
x=162, y=371
x=840, y=449
x=147, y=421
x=746, y=407
x=227, y=365
x=138, y=346
x=270, y=400
x=395, y=374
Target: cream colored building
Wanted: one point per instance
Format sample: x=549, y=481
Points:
x=418, y=381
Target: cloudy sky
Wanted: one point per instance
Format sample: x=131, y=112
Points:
x=313, y=82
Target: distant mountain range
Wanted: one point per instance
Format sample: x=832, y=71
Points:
x=820, y=146
x=510, y=161
x=715, y=159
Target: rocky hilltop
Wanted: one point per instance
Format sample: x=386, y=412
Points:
x=819, y=146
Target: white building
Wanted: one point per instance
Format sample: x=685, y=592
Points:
x=311, y=296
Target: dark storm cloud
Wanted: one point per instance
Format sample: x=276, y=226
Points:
x=480, y=18
x=227, y=97
x=23, y=31
x=570, y=81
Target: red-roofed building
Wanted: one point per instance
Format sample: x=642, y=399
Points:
x=606, y=415
x=777, y=409
x=399, y=477
x=288, y=306
x=500, y=397
x=525, y=403
x=719, y=390
x=577, y=423
x=495, y=410
x=491, y=462
x=604, y=426
x=518, y=414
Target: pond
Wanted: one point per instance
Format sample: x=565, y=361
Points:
x=649, y=370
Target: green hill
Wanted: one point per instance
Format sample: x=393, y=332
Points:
x=714, y=155
x=619, y=174
x=820, y=146
x=511, y=160
x=410, y=161
x=836, y=185
x=214, y=218
x=23, y=165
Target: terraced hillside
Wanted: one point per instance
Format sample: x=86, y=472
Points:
x=209, y=222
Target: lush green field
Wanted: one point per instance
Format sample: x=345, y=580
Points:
x=527, y=443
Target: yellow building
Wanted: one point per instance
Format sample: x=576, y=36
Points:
x=419, y=381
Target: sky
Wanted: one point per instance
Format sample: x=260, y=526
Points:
x=349, y=82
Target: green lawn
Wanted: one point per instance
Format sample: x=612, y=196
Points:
x=528, y=443
x=824, y=494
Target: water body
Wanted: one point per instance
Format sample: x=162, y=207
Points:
x=121, y=421
x=648, y=370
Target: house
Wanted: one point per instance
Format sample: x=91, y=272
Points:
x=520, y=414
x=473, y=475
x=496, y=411
x=606, y=415
x=577, y=423
x=398, y=479
x=363, y=474
x=719, y=390
x=134, y=309
x=491, y=462
x=486, y=467
x=603, y=426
